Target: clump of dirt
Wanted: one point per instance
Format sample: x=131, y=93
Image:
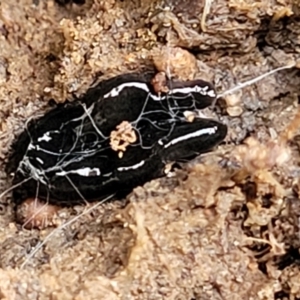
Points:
x=122, y=137
x=226, y=225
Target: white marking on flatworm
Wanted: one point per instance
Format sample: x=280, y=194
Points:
x=39, y=160
x=45, y=137
x=31, y=146
x=206, y=91
x=211, y=130
x=211, y=93
x=107, y=175
x=82, y=172
x=141, y=163
x=117, y=90
x=195, y=89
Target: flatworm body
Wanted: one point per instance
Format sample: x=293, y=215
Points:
x=65, y=2
x=65, y=157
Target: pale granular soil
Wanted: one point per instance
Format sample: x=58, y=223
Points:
x=218, y=229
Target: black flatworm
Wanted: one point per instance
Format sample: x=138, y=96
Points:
x=65, y=157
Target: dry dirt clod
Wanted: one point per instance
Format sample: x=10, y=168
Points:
x=33, y=213
x=159, y=83
x=121, y=138
x=175, y=62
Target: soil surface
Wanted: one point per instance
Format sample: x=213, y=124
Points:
x=226, y=225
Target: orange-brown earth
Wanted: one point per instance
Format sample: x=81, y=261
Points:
x=226, y=226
